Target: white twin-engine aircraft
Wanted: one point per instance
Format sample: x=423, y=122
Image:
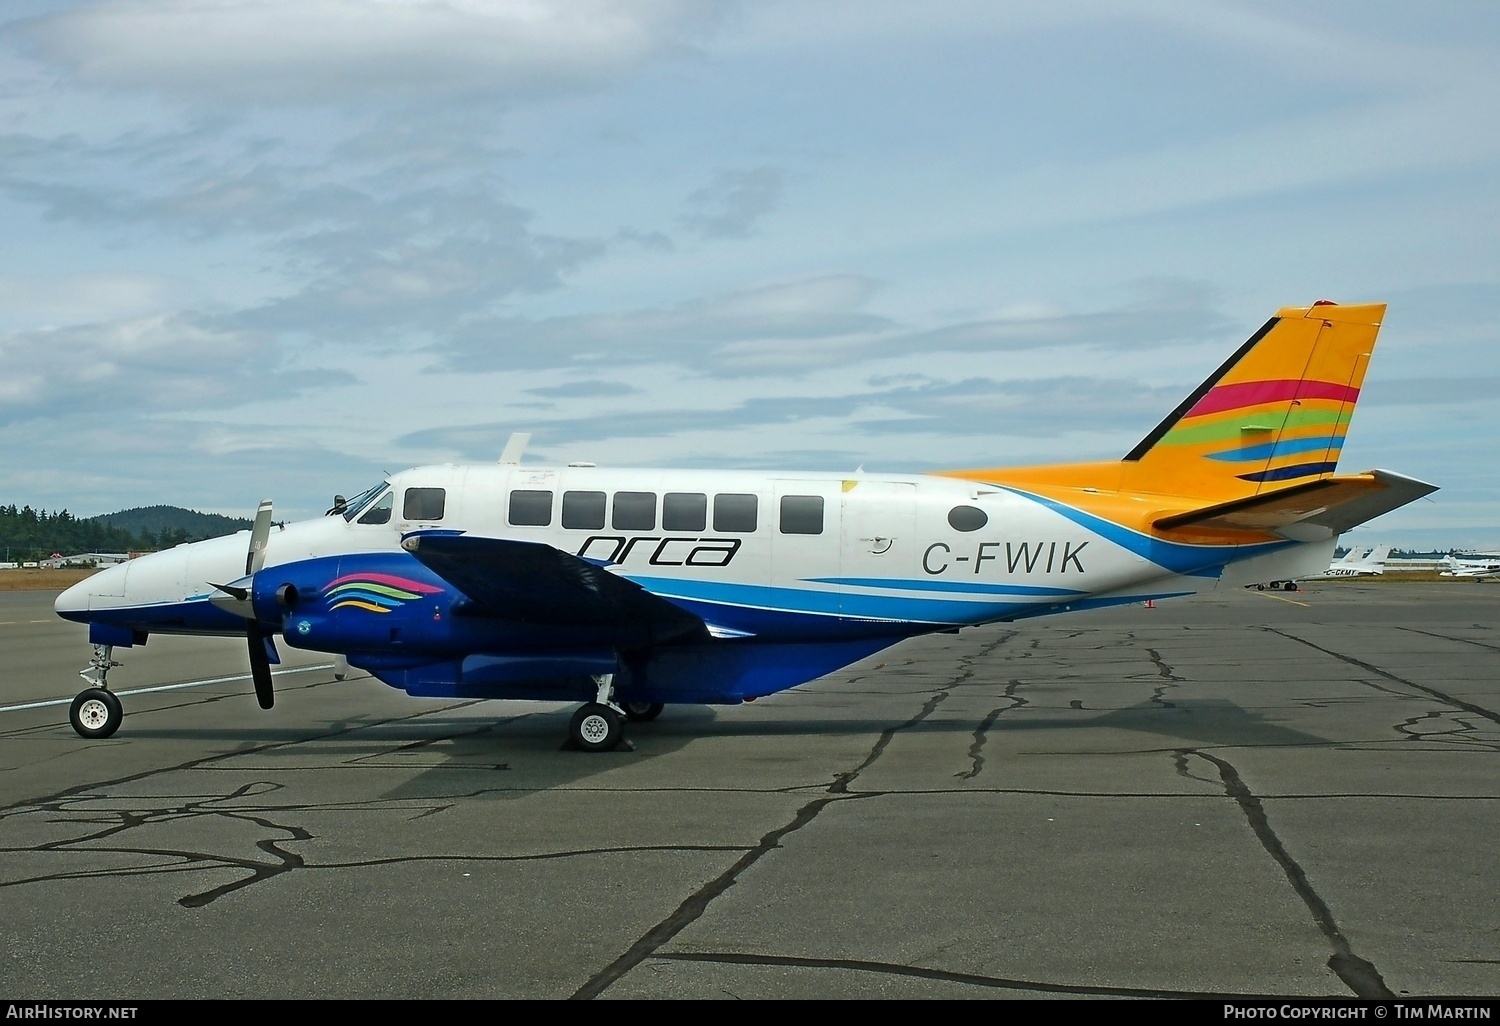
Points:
x=628, y=590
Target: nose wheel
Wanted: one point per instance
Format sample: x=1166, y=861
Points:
x=96, y=713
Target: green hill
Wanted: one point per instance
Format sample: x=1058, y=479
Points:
x=31, y=534
x=172, y=521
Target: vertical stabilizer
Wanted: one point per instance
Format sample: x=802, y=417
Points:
x=1273, y=415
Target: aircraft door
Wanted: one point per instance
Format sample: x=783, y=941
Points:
x=804, y=531
x=431, y=503
x=879, y=540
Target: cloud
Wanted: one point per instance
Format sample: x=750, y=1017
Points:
x=973, y=407
x=274, y=52
x=821, y=321
x=128, y=366
x=807, y=310
x=583, y=390
x=1429, y=391
x=35, y=300
x=730, y=205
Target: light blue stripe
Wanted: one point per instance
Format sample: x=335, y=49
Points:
x=830, y=603
x=1271, y=450
x=346, y=592
x=976, y=588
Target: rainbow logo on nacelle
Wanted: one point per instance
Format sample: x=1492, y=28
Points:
x=376, y=593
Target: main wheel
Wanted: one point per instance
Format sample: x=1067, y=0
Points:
x=96, y=713
x=596, y=728
x=1289, y=586
x=642, y=711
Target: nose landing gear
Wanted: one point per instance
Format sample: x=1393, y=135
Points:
x=96, y=712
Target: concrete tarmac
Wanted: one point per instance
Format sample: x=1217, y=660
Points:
x=1244, y=794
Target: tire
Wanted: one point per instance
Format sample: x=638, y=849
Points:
x=596, y=728
x=1289, y=586
x=1260, y=587
x=642, y=712
x=96, y=713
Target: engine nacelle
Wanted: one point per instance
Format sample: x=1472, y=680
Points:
x=365, y=601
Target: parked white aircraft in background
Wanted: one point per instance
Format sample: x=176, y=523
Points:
x=1351, y=564
x=1372, y=562
x=1477, y=567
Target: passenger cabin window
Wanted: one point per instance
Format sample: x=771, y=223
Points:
x=802, y=514
x=736, y=512
x=583, y=511
x=380, y=513
x=684, y=511
x=424, y=503
x=634, y=511
x=531, y=507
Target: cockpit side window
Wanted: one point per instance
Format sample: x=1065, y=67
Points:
x=355, y=506
x=380, y=511
x=424, y=503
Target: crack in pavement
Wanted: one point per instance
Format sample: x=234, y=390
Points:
x=944, y=976
x=1167, y=673
x=696, y=904
x=1358, y=974
x=1445, y=637
x=1372, y=668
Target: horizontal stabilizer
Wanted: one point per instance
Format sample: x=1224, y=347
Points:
x=1333, y=503
x=536, y=583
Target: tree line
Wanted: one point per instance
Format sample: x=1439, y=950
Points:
x=28, y=534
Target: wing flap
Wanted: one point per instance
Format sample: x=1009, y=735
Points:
x=1333, y=503
x=534, y=582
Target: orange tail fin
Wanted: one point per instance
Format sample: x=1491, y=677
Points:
x=1274, y=414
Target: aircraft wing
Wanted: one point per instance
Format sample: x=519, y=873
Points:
x=1335, y=503
x=536, y=583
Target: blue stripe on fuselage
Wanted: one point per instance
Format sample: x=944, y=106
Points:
x=194, y=616
x=1177, y=557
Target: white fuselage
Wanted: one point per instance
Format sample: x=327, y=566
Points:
x=864, y=546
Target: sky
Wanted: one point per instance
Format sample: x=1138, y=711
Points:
x=282, y=247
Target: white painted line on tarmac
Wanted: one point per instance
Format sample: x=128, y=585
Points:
x=167, y=687
x=1281, y=598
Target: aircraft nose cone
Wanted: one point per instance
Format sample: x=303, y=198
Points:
x=73, y=601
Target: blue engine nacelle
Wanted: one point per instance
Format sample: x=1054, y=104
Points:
x=384, y=602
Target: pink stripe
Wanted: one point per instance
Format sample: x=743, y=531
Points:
x=1253, y=393
x=388, y=579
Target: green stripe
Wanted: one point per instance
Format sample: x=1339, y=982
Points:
x=379, y=589
x=1229, y=430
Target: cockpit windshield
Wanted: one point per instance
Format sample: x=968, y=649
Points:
x=353, y=507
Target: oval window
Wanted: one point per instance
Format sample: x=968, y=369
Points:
x=967, y=518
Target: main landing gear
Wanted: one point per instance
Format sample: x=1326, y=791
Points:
x=96, y=712
x=599, y=726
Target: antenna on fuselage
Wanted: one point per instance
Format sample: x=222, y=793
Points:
x=516, y=444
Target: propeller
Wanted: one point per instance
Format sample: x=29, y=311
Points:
x=255, y=558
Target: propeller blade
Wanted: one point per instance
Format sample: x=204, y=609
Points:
x=260, y=534
x=260, y=664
